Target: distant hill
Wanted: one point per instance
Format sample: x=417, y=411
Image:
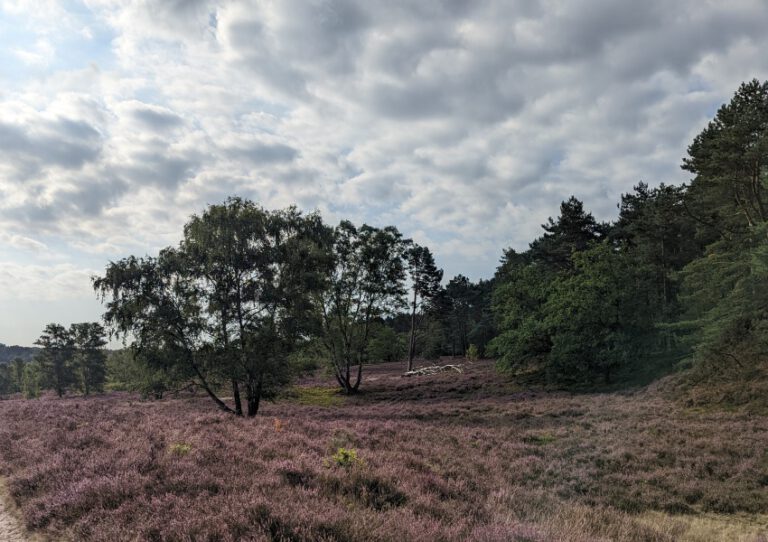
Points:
x=9, y=353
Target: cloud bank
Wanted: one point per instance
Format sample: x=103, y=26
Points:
x=463, y=123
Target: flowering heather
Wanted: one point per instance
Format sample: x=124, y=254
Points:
x=437, y=458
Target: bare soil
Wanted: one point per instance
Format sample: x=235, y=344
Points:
x=10, y=527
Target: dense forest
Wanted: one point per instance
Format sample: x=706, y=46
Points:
x=251, y=297
x=678, y=280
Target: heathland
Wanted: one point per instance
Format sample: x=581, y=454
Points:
x=470, y=456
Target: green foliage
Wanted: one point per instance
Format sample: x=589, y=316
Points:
x=55, y=360
x=89, y=359
x=598, y=316
x=726, y=301
x=229, y=305
x=573, y=231
x=365, y=284
x=12, y=377
x=128, y=370
x=71, y=358
x=723, y=293
x=518, y=303
x=473, y=353
x=33, y=380
x=6, y=385
x=425, y=280
x=579, y=320
x=729, y=159
x=682, y=271
x=463, y=311
x=316, y=396
x=180, y=448
x=432, y=338
x=307, y=358
x=385, y=344
x=346, y=458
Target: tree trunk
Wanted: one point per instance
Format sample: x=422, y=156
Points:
x=236, y=394
x=254, y=397
x=359, y=377
x=412, y=341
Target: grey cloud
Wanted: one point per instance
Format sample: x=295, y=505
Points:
x=64, y=142
x=249, y=42
x=157, y=119
x=86, y=200
x=263, y=153
x=327, y=32
x=156, y=168
x=467, y=120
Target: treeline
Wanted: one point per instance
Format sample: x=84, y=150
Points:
x=681, y=275
x=11, y=353
x=68, y=359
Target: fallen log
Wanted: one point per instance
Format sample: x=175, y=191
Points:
x=434, y=369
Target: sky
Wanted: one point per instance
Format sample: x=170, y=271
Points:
x=465, y=124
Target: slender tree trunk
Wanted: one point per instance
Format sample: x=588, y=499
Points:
x=412, y=341
x=254, y=397
x=359, y=377
x=236, y=394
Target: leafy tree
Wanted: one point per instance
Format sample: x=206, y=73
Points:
x=55, y=360
x=229, y=304
x=598, y=316
x=433, y=338
x=365, y=284
x=255, y=270
x=89, y=360
x=425, y=280
x=34, y=379
x=522, y=291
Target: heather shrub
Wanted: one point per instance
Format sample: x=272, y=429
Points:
x=364, y=488
x=451, y=457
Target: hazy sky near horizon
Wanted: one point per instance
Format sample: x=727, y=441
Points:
x=462, y=123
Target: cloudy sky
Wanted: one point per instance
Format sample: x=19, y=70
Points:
x=463, y=123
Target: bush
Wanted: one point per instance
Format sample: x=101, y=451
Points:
x=473, y=354
x=346, y=457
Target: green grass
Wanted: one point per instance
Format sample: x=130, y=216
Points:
x=316, y=396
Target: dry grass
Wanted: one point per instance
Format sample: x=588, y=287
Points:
x=442, y=457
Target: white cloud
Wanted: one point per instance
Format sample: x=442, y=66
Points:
x=462, y=122
x=19, y=282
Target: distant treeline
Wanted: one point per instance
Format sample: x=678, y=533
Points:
x=10, y=353
x=68, y=359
